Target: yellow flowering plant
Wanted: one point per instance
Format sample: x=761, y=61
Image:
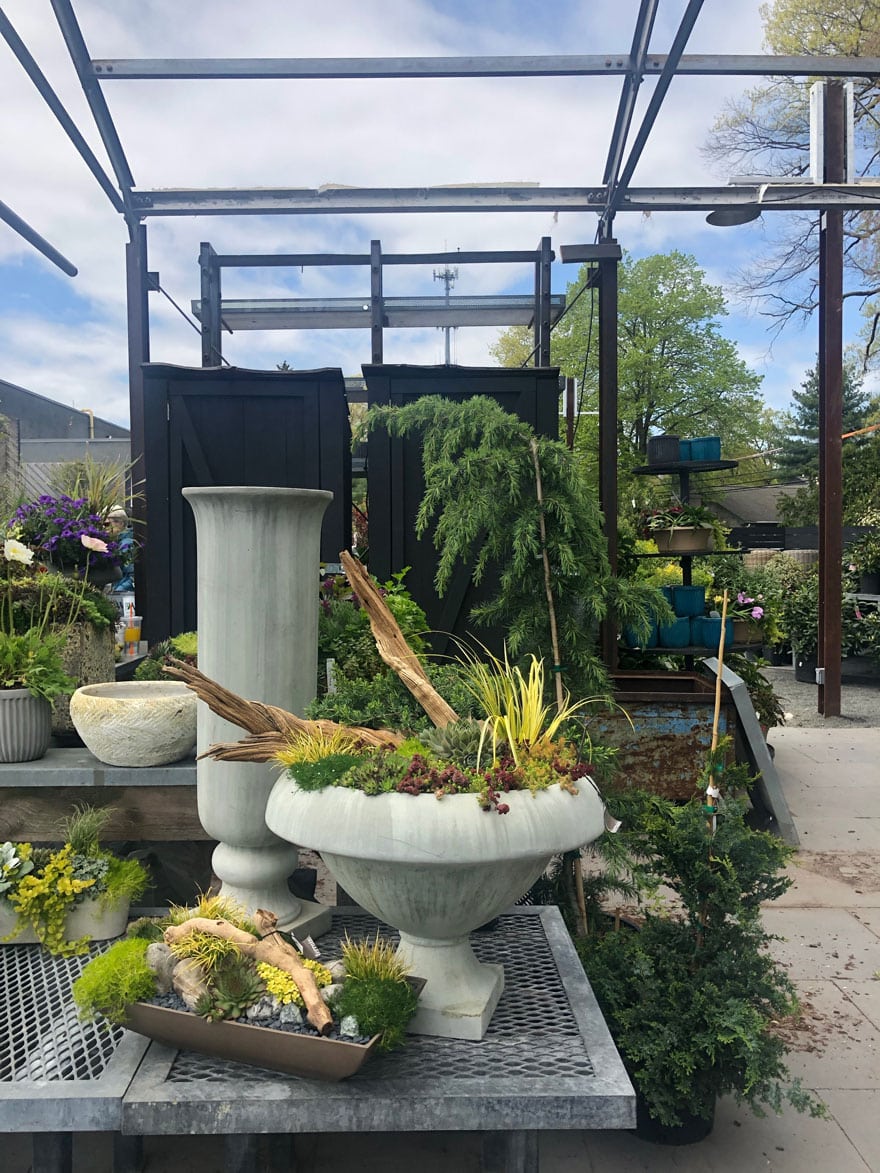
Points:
x=42, y=886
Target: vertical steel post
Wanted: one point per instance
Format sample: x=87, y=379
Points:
x=831, y=407
x=608, y=429
x=212, y=343
x=542, y=307
x=136, y=289
x=570, y=388
x=377, y=305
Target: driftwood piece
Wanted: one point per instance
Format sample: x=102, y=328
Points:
x=392, y=646
x=272, y=949
x=271, y=729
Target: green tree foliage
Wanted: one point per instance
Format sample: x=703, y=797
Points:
x=800, y=456
x=676, y=371
x=766, y=132
x=861, y=454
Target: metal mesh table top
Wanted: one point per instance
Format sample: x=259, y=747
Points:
x=546, y=1061
x=41, y=1036
x=56, y=1072
x=533, y=1028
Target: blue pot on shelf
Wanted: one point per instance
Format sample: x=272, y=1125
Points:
x=675, y=635
x=632, y=640
x=685, y=450
x=697, y=638
x=706, y=448
x=689, y=600
x=667, y=594
x=712, y=633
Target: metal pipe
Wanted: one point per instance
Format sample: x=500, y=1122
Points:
x=27, y=233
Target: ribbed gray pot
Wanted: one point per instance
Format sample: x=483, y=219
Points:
x=25, y=725
x=258, y=556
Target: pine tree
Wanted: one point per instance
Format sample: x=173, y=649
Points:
x=800, y=457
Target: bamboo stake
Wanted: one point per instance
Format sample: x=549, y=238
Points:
x=548, y=585
x=716, y=716
x=392, y=645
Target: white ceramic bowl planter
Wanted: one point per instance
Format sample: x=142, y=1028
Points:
x=136, y=722
x=436, y=869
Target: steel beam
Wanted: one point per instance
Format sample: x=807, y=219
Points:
x=619, y=184
x=629, y=92
x=137, y=288
x=79, y=55
x=591, y=65
x=831, y=410
x=346, y=313
x=806, y=197
x=298, y=260
x=543, y=303
x=18, y=47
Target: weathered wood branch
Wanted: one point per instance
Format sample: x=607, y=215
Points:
x=272, y=949
x=271, y=729
x=392, y=645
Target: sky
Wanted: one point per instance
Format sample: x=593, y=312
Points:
x=65, y=338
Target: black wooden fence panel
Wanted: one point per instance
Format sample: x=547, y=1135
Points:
x=395, y=484
x=228, y=426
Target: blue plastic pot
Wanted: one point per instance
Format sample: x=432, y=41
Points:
x=632, y=640
x=697, y=637
x=667, y=594
x=684, y=450
x=712, y=633
x=689, y=600
x=675, y=635
x=706, y=448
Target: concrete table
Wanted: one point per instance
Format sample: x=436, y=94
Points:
x=547, y=1062
x=59, y=1075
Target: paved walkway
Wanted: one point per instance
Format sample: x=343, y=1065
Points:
x=829, y=925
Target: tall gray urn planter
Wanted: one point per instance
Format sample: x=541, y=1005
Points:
x=258, y=553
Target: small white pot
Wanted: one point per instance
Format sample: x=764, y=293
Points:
x=136, y=722
x=436, y=869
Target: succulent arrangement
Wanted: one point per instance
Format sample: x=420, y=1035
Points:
x=210, y=961
x=40, y=886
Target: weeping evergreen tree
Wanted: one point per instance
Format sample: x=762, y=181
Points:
x=514, y=504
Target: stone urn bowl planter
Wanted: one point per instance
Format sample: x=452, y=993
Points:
x=436, y=869
x=136, y=722
x=94, y=919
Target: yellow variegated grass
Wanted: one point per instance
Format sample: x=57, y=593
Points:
x=514, y=704
x=313, y=744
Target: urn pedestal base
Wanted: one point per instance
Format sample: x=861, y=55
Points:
x=460, y=993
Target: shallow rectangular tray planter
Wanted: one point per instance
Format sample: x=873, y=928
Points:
x=260, y=1046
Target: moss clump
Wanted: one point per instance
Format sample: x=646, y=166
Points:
x=114, y=980
x=381, y=1006
x=145, y=928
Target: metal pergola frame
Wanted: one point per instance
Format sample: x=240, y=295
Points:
x=375, y=311
x=832, y=197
